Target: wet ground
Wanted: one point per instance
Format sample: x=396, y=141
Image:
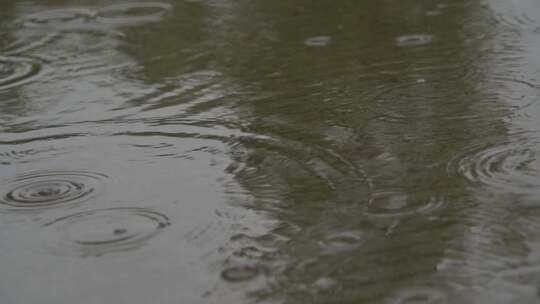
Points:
x=307, y=151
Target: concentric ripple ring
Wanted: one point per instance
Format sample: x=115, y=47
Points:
x=46, y=189
x=505, y=166
x=102, y=231
x=398, y=204
x=15, y=71
x=416, y=101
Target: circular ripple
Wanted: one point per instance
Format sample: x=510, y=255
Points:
x=17, y=70
x=97, y=232
x=510, y=166
x=45, y=189
x=397, y=204
x=419, y=100
x=59, y=16
x=133, y=13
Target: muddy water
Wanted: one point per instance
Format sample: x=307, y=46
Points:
x=269, y=151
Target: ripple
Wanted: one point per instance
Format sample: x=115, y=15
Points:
x=318, y=41
x=415, y=101
x=133, y=13
x=31, y=43
x=421, y=296
x=102, y=231
x=516, y=17
x=414, y=40
x=59, y=17
x=397, y=204
x=277, y=166
x=512, y=166
x=342, y=241
x=44, y=189
x=16, y=71
x=240, y=273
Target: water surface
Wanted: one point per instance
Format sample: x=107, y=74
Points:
x=269, y=151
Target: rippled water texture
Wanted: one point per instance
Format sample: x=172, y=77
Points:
x=269, y=151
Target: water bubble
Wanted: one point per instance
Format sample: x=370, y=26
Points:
x=414, y=40
x=318, y=41
x=16, y=71
x=396, y=204
x=133, y=13
x=44, y=189
x=102, y=231
x=240, y=273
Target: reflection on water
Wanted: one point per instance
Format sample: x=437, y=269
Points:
x=269, y=152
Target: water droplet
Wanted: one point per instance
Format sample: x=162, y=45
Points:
x=43, y=189
x=318, y=41
x=102, y=231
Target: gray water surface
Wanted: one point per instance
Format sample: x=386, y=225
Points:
x=306, y=151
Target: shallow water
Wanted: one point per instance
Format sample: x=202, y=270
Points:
x=269, y=151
